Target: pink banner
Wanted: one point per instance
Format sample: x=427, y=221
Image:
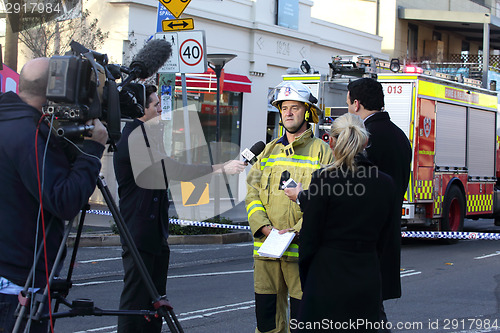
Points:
x=9, y=80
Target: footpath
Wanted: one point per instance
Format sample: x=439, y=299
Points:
x=98, y=231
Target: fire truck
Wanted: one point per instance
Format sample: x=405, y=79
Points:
x=451, y=124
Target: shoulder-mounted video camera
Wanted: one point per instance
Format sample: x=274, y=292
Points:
x=82, y=86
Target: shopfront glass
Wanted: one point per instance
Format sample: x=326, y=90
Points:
x=202, y=110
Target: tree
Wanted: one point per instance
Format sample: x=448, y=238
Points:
x=48, y=38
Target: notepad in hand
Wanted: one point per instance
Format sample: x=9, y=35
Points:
x=275, y=244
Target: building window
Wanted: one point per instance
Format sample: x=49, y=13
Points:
x=412, y=48
x=464, y=53
x=480, y=2
x=287, y=14
x=206, y=106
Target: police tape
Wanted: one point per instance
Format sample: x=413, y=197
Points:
x=450, y=235
x=183, y=223
x=404, y=234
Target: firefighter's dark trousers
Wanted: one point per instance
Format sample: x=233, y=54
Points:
x=274, y=281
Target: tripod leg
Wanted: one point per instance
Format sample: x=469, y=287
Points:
x=176, y=322
x=21, y=309
x=128, y=240
x=40, y=305
x=73, y=254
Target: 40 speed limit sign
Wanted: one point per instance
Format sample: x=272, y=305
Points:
x=188, y=52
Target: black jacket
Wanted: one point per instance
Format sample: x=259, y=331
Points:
x=390, y=150
x=344, y=226
x=145, y=210
x=66, y=187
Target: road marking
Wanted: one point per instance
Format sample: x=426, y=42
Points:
x=210, y=274
x=402, y=274
x=197, y=314
x=94, y=283
x=216, y=308
x=98, y=260
x=99, y=329
x=409, y=273
x=83, y=284
x=488, y=255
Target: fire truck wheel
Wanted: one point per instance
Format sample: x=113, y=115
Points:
x=453, y=211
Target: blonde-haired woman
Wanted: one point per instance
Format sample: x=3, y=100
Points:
x=346, y=207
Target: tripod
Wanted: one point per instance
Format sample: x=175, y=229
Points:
x=85, y=307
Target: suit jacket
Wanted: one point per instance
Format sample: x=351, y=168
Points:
x=344, y=225
x=145, y=210
x=390, y=150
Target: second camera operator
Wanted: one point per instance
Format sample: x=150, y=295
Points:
x=32, y=161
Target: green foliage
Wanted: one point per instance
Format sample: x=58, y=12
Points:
x=50, y=38
x=175, y=229
x=114, y=227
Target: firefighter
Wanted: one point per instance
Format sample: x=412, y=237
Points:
x=294, y=155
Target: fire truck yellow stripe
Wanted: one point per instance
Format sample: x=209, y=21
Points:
x=409, y=191
x=302, y=78
x=479, y=203
x=438, y=205
x=424, y=189
x=426, y=152
x=435, y=90
x=398, y=77
x=412, y=123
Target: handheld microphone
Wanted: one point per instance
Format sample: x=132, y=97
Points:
x=250, y=155
x=285, y=175
x=149, y=59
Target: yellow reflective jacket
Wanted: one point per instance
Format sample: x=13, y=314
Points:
x=266, y=204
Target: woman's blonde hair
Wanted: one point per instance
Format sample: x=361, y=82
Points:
x=352, y=137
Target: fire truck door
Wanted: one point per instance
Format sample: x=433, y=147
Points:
x=425, y=150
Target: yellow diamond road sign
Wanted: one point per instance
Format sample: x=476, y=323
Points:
x=176, y=7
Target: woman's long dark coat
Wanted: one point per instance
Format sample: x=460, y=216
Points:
x=342, y=230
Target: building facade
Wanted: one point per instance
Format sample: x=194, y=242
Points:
x=268, y=37
x=427, y=32
x=264, y=49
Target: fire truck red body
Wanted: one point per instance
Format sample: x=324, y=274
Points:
x=452, y=129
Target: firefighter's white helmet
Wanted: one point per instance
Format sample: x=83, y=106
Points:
x=296, y=91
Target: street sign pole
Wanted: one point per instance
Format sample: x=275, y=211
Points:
x=187, y=131
x=166, y=87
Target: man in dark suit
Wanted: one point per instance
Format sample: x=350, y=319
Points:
x=390, y=150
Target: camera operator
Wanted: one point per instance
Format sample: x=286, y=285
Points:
x=32, y=161
x=145, y=212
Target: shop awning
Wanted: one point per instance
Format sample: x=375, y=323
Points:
x=207, y=82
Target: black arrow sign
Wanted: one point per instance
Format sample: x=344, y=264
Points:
x=183, y=24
